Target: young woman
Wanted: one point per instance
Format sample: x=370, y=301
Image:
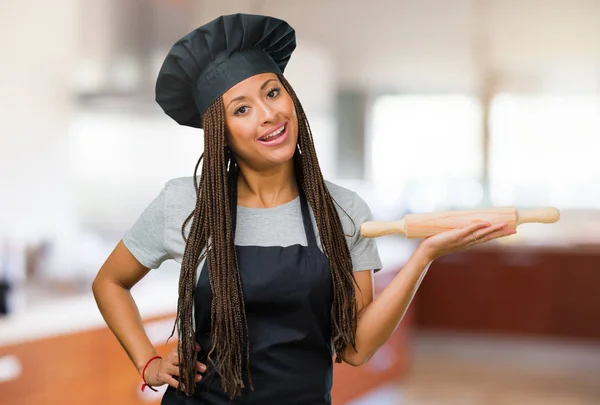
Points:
x=276, y=279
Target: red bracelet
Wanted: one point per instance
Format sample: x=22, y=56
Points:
x=145, y=384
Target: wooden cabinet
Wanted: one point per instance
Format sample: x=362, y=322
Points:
x=81, y=368
x=91, y=368
x=536, y=291
x=387, y=366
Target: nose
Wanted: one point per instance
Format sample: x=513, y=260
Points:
x=268, y=113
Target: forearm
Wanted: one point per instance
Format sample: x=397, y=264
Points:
x=122, y=316
x=378, y=320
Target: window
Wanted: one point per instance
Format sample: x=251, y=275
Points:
x=426, y=150
x=545, y=150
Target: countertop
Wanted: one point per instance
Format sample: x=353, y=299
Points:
x=155, y=296
x=47, y=315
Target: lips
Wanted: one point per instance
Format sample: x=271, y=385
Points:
x=275, y=137
x=273, y=134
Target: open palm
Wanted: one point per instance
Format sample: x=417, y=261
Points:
x=460, y=239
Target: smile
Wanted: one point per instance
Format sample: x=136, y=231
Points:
x=276, y=137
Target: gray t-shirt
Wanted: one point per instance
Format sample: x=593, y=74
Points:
x=156, y=235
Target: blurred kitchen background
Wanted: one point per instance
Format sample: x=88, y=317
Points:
x=418, y=105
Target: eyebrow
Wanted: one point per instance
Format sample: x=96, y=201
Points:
x=243, y=97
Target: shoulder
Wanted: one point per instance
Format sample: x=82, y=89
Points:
x=343, y=197
x=181, y=187
x=180, y=196
x=352, y=209
x=340, y=193
x=347, y=200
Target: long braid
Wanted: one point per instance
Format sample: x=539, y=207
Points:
x=344, y=310
x=211, y=235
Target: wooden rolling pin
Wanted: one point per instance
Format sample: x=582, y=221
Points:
x=424, y=225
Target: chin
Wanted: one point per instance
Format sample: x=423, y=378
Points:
x=282, y=155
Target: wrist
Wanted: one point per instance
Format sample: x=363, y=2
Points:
x=423, y=256
x=143, y=362
x=143, y=373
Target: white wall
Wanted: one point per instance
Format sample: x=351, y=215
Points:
x=37, y=43
x=428, y=45
x=408, y=45
x=424, y=45
x=122, y=155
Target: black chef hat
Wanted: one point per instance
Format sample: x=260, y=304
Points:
x=208, y=61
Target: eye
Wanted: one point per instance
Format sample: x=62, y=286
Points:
x=241, y=110
x=273, y=92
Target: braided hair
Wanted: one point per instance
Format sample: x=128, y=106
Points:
x=211, y=236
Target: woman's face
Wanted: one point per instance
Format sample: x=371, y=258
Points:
x=261, y=122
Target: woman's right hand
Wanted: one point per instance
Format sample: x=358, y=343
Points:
x=162, y=371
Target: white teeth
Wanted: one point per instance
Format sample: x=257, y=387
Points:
x=280, y=130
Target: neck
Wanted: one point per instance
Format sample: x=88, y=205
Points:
x=267, y=188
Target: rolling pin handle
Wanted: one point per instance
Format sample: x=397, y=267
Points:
x=546, y=215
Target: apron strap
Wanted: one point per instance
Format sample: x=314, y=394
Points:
x=311, y=239
x=233, y=197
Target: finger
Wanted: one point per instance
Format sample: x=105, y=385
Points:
x=481, y=233
x=492, y=232
x=198, y=378
x=470, y=229
x=494, y=235
x=173, y=358
x=173, y=370
x=200, y=367
x=198, y=347
x=498, y=231
x=498, y=234
x=171, y=381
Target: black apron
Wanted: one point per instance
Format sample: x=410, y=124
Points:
x=288, y=298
